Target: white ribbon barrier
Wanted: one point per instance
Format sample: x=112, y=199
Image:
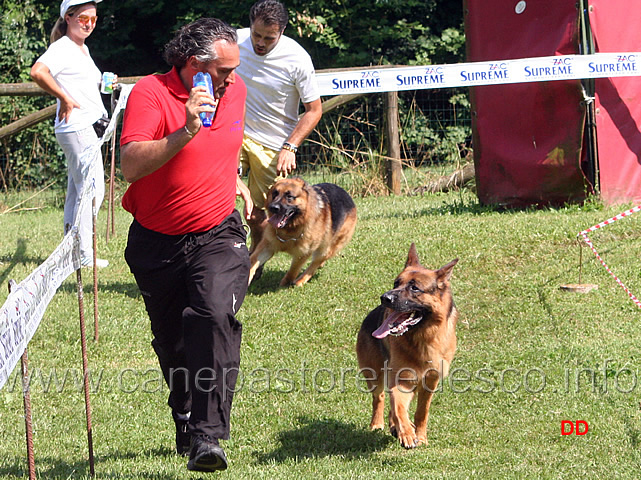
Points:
x=22, y=311
x=24, y=308
x=500, y=72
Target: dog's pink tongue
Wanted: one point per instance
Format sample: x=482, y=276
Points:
x=384, y=330
x=275, y=220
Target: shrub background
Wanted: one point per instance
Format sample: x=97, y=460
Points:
x=129, y=40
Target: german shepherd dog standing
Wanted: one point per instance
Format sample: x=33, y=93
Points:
x=304, y=221
x=406, y=345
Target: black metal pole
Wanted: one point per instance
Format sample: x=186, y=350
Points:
x=592, y=145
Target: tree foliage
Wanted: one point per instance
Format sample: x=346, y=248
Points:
x=131, y=34
x=30, y=157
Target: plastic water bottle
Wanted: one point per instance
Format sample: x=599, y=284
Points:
x=203, y=79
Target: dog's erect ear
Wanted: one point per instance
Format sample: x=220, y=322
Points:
x=304, y=185
x=412, y=257
x=445, y=272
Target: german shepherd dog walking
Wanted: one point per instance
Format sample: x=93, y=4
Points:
x=304, y=221
x=406, y=345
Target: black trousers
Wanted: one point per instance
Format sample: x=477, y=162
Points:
x=193, y=286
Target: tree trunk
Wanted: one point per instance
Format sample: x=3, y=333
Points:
x=448, y=182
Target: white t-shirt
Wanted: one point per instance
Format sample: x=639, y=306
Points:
x=76, y=73
x=276, y=83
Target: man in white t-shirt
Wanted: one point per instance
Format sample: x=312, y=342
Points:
x=279, y=74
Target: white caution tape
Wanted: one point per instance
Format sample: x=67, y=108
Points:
x=500, y=72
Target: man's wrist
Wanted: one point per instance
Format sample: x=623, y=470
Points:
x=290, y=146
x=190, y=133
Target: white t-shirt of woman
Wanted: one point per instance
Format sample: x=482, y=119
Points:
x=75, y=72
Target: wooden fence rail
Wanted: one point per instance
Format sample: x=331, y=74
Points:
x=393, y=169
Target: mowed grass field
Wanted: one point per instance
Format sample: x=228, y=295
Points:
x=529, y=357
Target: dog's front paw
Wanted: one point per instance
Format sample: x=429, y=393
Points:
x=422, y=440
x=406, y=435
x=408, y=440
x=300, y=281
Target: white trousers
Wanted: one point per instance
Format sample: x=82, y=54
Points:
x=73, y=145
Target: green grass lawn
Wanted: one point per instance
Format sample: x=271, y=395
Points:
x=529, y=355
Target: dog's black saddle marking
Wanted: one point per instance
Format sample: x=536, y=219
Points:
x=338, y=199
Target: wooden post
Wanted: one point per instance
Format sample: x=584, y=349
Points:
x=115, y=96
x=85, y=370
x=394, y=167
x=110, y=199
x=95, y=269
x=26, y=400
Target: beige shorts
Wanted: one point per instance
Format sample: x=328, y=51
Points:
x=260, y=164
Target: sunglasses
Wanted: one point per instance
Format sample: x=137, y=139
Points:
x=86, y=19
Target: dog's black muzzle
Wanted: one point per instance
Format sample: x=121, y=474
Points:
x=395, y=301
x=277, y=208
x=388, y=299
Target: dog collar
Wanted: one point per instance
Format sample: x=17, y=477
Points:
x=283, y=240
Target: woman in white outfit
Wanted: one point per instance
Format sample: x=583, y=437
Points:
x=67, y=71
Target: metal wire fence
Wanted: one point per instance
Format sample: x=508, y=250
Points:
x=349, y=144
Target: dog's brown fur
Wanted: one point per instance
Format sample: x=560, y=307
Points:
x=416, y=359
x=304, y=221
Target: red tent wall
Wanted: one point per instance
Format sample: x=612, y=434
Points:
x=616, y=27
x=527, y=138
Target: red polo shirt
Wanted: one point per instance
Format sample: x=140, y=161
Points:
x=196, y=189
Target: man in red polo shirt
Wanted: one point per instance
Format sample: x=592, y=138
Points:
x=186, y=245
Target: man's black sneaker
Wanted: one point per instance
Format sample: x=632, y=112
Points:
x=183, y=437
x=206, y=455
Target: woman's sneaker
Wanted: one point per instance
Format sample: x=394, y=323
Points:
x=88, y=262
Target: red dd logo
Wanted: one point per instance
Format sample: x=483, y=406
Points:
x=568, y=427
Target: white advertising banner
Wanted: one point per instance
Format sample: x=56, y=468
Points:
x=540, y=69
